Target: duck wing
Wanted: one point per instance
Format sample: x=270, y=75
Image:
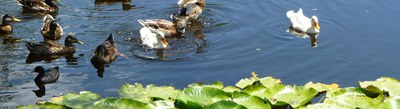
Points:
x=51, y=75
x=160, y=26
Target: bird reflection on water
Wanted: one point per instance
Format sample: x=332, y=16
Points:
x=312, y=36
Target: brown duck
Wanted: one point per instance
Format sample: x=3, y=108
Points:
x=39, y=5
x=44, y=48
x=5, y=27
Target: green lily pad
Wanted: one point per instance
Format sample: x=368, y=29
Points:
x=321, y=87
x=203, y=95
x=383, y=84
x=251, y=102
x=225, y=104
x=114, y=103
x=216, y=84
x=180, y=104
x=352, y=98
x=390, y=103
x=230, y=89
x=46, y=105
x=162, y=104
x=247, y=81
x=324, y=106
x=269, y=81
x=138, y=92
x=256, y=90
x=82, y=100
x=295, y=96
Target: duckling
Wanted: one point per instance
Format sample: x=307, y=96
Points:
x=191, y=8
x=154, y=31
x=302, y=23
x=39, y=5
x=5, y=27
x=105, y=53
x=51, y=30
x=43, y=48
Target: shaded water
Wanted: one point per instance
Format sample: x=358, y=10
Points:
x=358, y=41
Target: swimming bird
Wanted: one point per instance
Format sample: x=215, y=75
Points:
x=191, y=9
x=45, y=77
x=39, y=5
x=302, y=23
x=154, y=31
x=51, y=30
x=104, y=54
x=44, y=48
x=5, y=27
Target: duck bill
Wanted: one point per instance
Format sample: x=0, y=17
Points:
x=164, y=41
x=316, y=26
x=79, y=42
x=16, y=19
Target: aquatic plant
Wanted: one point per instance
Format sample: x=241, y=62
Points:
x=250, y=93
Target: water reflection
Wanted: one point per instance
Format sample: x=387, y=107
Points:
x=48, y=58
x=9, y=39
x=312, y=36
x=126, y=4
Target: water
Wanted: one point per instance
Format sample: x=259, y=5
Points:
x=358, y=41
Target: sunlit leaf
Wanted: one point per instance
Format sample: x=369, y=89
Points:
x=390, y=103
x=224, y=104
x=82, y=100
x=352, y=98
x=138, y=92
x=386, y=84
x=247, y=81
x=46, y=105
x=321, y=87
x=216, y=84
x=324, y=106
x=295, y=96
x=203, y=95
x=162, y=104
x=230, y=89
x=251, y=102
x=180, y=104
x=269, y=81
x=114, y=103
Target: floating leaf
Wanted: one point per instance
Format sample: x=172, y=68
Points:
x=138, y=92
x=46, y=105
x=247, y=81
x=352, y=98
x=114, y=103
x=180, y=104
x=321, y=87
x=82, y=100
x=269, y=81
x=230, y=89
x=324, y=106
x=295, y=96
x=162, y=104
x=256, y=90
x=216, y=84
x=224, y=104
x=391, y=103
x=251, y=102
x=386, y=84
x=202, y=95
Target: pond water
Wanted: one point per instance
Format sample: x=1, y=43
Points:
x=358, y=41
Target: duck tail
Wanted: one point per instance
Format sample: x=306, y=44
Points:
x=29, y=45
x=290, y=14
x=47, y=18
x=142, y=22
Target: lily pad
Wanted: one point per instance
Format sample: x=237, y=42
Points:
x=162, y=104
x=114, y=103
x=216, y=84
x=352, y=98
x=138, y=92
x=225, y=104
x=390, y=103
x=247, y=81
x=46, y=105
x=324, y=106
x=383, y=84
x=82, y=100
x=295, y=96
x=251, y=102
x=269, y=81
x=321, y=87
x=203, y=95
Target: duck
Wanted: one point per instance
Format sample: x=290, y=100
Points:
x=155, y=31
x=105, y=53
x=46, y=76
x=51, y=30
x=5, y=27
x=44, y=48
x=302, y=23
x=191, y=9
x=46, y=6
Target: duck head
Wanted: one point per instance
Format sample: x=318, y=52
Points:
x=180, y=22
x=7, y=18
x=38, y=69
x=314, y=21
x=69, y=40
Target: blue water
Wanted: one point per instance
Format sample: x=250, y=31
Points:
x=358, y=41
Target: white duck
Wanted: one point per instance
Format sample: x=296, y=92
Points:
x=302, y=23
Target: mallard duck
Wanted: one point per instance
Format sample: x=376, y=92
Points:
x=44, y=48
x=51, y=30
x=46, y=76
x=105, y=53
x=5, y=27
x=302, y=23
x=39, y=5
x=191, y=9
x=154, y=31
